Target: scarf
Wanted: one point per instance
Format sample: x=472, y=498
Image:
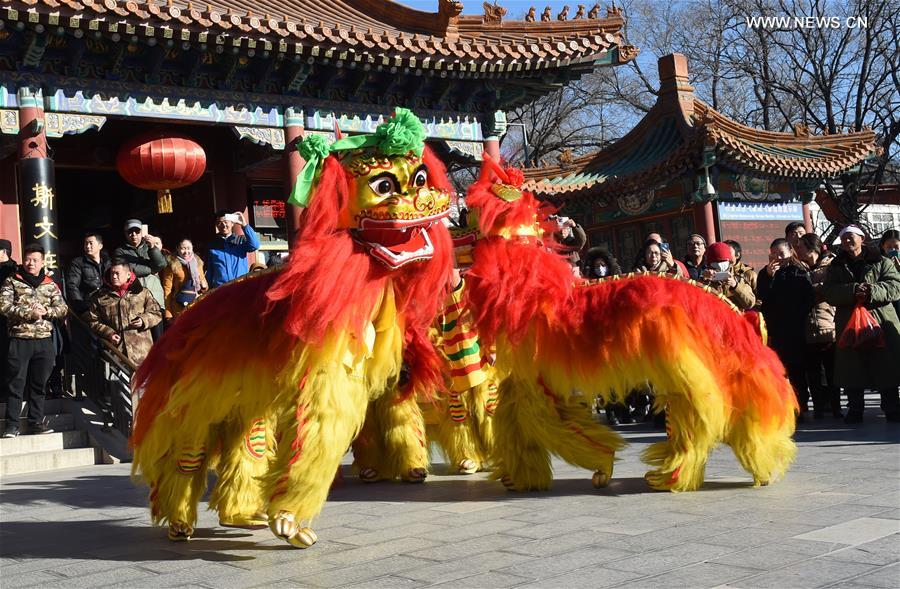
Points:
x=191, y=264
x=30, y=279
x=119, y=290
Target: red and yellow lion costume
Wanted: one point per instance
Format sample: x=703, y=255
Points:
x=305, y=349
x=711, y=372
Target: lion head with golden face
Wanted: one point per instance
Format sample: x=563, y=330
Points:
x=395, y=203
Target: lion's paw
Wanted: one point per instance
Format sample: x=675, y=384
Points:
x=416, y=475
x=467, y=466
x=284, y=526
x=180, y=531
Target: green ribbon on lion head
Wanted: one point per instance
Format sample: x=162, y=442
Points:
x=399, y=135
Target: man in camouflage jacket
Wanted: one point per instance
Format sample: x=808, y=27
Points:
x=29, y=300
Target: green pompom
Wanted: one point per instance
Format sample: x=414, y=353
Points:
x=314, y=147
x=401, y=134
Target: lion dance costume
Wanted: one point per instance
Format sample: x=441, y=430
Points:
x=711, y=372
x=303, y=350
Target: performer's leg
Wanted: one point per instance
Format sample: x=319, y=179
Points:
x=368, y=451
x=456, y=433
x=574, y=435
x=315, y=434
x=402, y=429
x=176, y=492
x=484, y=402
x=521, y=462
x=765, y=450
x=694, y=427
x=237, y=496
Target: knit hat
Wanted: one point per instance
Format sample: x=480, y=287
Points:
x=6, y=244
x=718, y=252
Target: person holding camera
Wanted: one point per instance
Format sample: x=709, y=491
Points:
x=657, y=258
x=143, y=252
x=788, y=297
x=721, y=277
x=227, y=257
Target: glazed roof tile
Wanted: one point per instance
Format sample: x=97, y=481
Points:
x=476, y=43
x=671, y=139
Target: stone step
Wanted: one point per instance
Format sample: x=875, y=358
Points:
x=50, y=460
x=26, y=444
x=60, y=422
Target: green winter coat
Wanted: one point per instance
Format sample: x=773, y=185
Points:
x=877, y=368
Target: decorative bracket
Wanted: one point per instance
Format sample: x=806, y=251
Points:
x=270, y=136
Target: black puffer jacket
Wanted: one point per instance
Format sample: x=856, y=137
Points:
x=84, y=278
x=787, y=299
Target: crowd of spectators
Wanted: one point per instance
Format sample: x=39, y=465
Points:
x=126, y=300
x=806, y=294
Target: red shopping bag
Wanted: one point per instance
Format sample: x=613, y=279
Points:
x=862, y=331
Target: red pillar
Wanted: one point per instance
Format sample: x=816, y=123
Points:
x=704, y=221
x=9, y=207
x=293, y=164
x=38, y=204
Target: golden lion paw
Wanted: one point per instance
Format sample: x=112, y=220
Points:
x=467, y=466
x=604, y=474
x=180, y=532
x=416, y=475
x=284, y=526
x=600, y=479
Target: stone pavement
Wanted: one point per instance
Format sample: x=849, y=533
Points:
x=833, y=522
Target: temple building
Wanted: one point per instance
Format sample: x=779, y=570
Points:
x=686, y=168
x=202, y=103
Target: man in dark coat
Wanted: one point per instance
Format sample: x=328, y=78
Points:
x=85, y=275
x=860, y=275
x=787, y=298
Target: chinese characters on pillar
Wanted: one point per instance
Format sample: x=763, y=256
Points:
x=42, y=198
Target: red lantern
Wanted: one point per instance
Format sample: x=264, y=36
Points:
x=154, y=161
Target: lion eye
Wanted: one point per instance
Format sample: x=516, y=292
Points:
x=383, y=186
x=420, y=179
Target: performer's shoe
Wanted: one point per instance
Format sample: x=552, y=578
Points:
x=256, y=521
x=368, y=475
x=11, y=432
x=285, y=527
x=467, y=466
x=415, y=475
x=180, y=532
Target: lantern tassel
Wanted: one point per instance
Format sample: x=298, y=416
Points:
x=163, y=201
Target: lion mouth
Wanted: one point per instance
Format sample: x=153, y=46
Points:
x=395, y=244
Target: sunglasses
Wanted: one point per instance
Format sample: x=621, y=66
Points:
x=133, y=230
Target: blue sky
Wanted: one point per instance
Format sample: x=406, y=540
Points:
x=515, y=8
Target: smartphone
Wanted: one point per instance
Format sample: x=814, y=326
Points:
x=232, y=217
x=145, y=230
x=893, y=254
x=664, y=246
x=720, y=276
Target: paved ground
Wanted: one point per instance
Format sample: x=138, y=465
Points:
x=834, y=521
